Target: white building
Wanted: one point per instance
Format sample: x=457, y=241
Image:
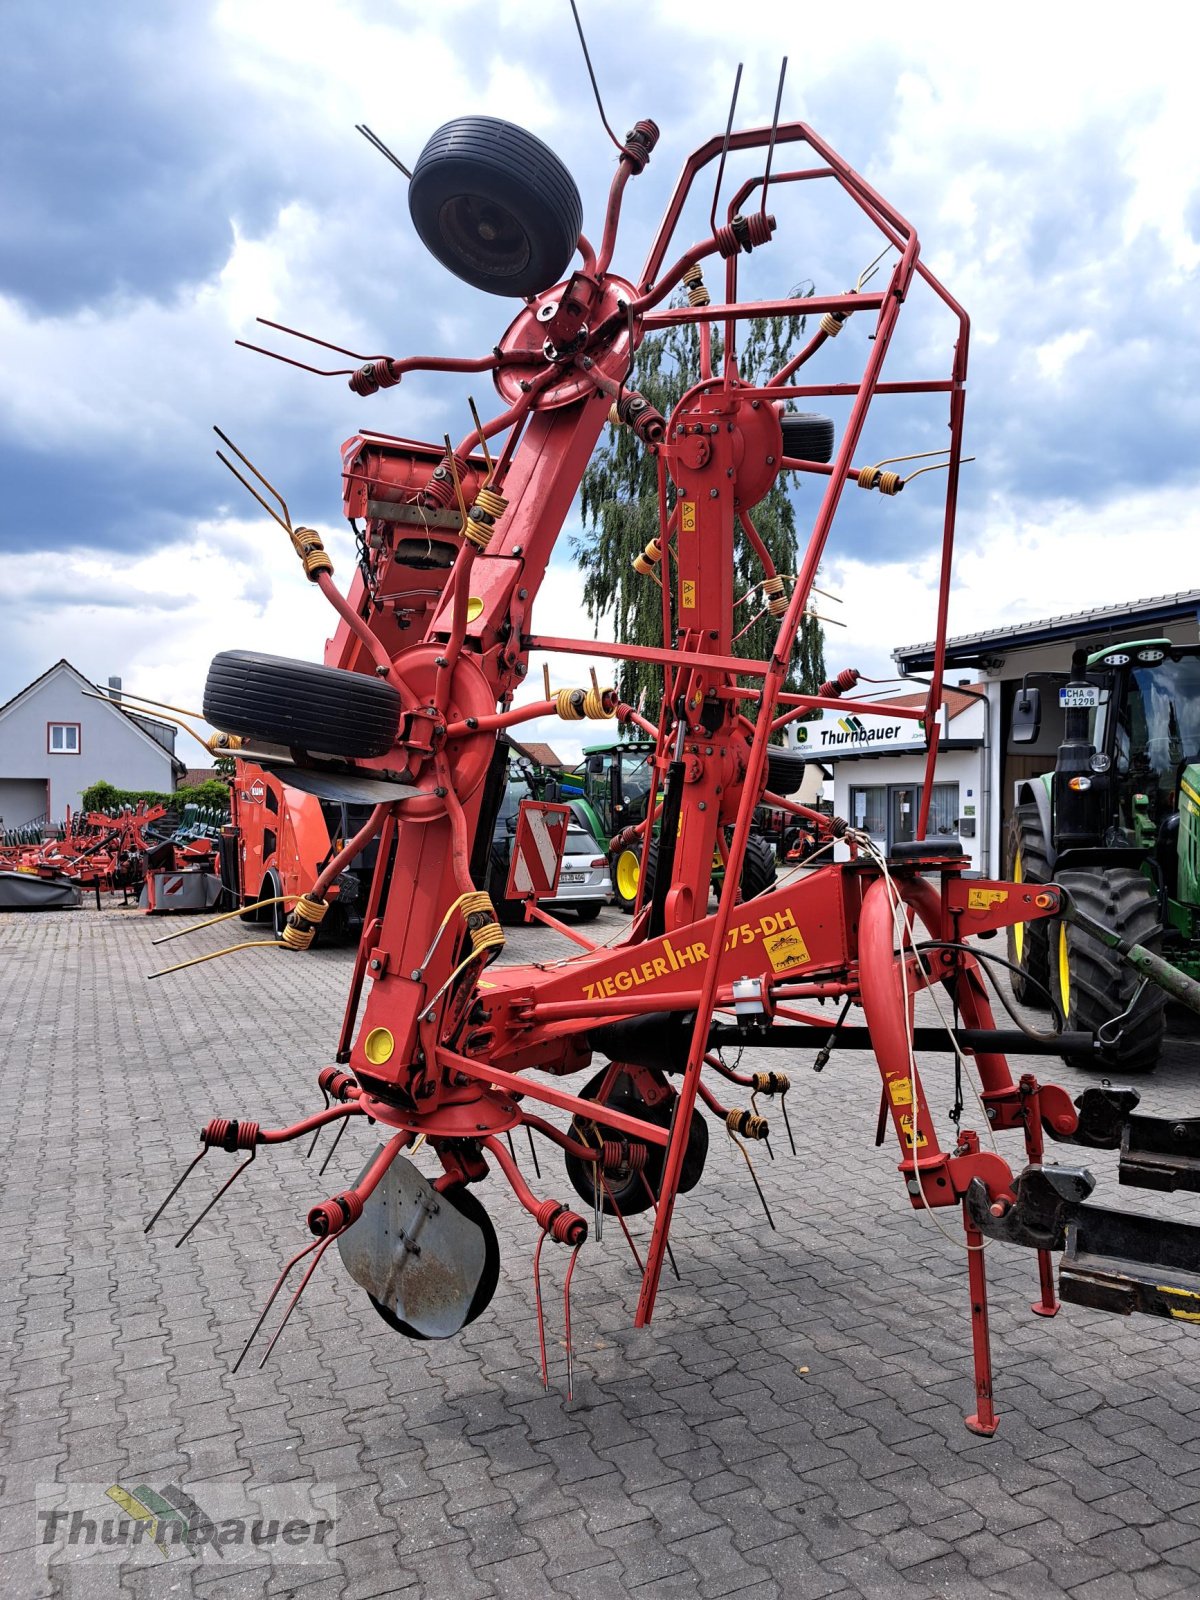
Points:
x=878, y=767
x=55, y=742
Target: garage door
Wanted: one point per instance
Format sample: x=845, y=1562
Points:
x=22, y=800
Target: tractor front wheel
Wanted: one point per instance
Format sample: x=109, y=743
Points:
x=626, y=873
x=1091, y=985
x=1029, y=942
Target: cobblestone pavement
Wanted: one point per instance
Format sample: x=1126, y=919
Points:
x=791, y=1425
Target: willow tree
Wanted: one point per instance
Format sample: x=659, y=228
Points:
x=620, y=516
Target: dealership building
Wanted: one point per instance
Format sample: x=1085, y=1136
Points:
x=878, y=762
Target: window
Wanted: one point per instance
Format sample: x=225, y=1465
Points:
x=62, y=738
x=943, y=810
x=868, y=810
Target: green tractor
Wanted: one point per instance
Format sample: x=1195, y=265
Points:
x=615, y=784
x=1117, y=825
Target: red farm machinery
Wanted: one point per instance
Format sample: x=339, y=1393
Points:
x=277, y=842
x=614, y=1054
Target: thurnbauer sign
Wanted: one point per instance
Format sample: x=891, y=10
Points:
x=840, y=733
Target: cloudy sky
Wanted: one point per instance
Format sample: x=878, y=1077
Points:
x=172, y=170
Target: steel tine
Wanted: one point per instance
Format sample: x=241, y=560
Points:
x=567, y=1320
x=654, y=1203
x=591, y=74
x=774, y=131
x=312, y=1267
x=612, y=1200
x=754, y=1178
x=279, y=1283
x=317, y=1134
x=333, y=1147
x=512, y=1152
x=187, y=1174
x=229, y=1182
x=737, y=83
x=533, y=1151
x=537, y=1295
x=786, y=1120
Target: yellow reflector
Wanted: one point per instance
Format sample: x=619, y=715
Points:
x=474, y=608
x=378, y=1046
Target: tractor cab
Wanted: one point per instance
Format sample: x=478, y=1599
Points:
x=617, y=782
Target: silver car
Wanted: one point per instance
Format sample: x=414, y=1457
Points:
x=584, y=886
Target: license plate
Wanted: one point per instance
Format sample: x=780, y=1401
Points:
x=1079, y=697
x=573, y=877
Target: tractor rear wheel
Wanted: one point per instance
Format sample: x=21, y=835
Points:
x=495, y=206
x=1029, y=942
x=758, y=867
x=807, y=436
x=301, y=704
x=1089, y=982
x=626, y=1190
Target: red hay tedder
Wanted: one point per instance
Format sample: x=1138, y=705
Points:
x=441, y=1041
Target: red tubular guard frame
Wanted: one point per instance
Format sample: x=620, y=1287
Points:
x=445, y=1051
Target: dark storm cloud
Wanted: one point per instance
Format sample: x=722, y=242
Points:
x=134, y=148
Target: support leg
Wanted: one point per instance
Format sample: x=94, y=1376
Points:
x=983, y=1419
x=1031, y=1106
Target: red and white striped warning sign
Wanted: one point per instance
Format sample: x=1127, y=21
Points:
x=537, y=850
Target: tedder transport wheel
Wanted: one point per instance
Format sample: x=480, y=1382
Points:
x=1090, y=985
x=465, y=1202
x=625, y=1183
x=1029, y=942
x=626, y=867
x=785, y=771
x=495, y=206
x=807, y=437
x=301, y=705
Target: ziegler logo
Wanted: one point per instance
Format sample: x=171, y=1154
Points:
x=782, y=942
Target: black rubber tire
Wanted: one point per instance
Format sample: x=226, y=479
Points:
x=509, y=912
x=587, y=910
x=1028, y=861
x=277, y=914
x=626, y=1188
x=495, y=206
x=807, y=436
x=1100, y=986
x=785, y=771
x=758, y=867
x=301, y=704
x=464, y=1201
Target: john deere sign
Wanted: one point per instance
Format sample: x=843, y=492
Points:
x=838, y=733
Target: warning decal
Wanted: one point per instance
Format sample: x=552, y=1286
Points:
x=687, y=516
x=900, y=1091
x=981, y=899
x=906, y=1130
x=787, y=950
